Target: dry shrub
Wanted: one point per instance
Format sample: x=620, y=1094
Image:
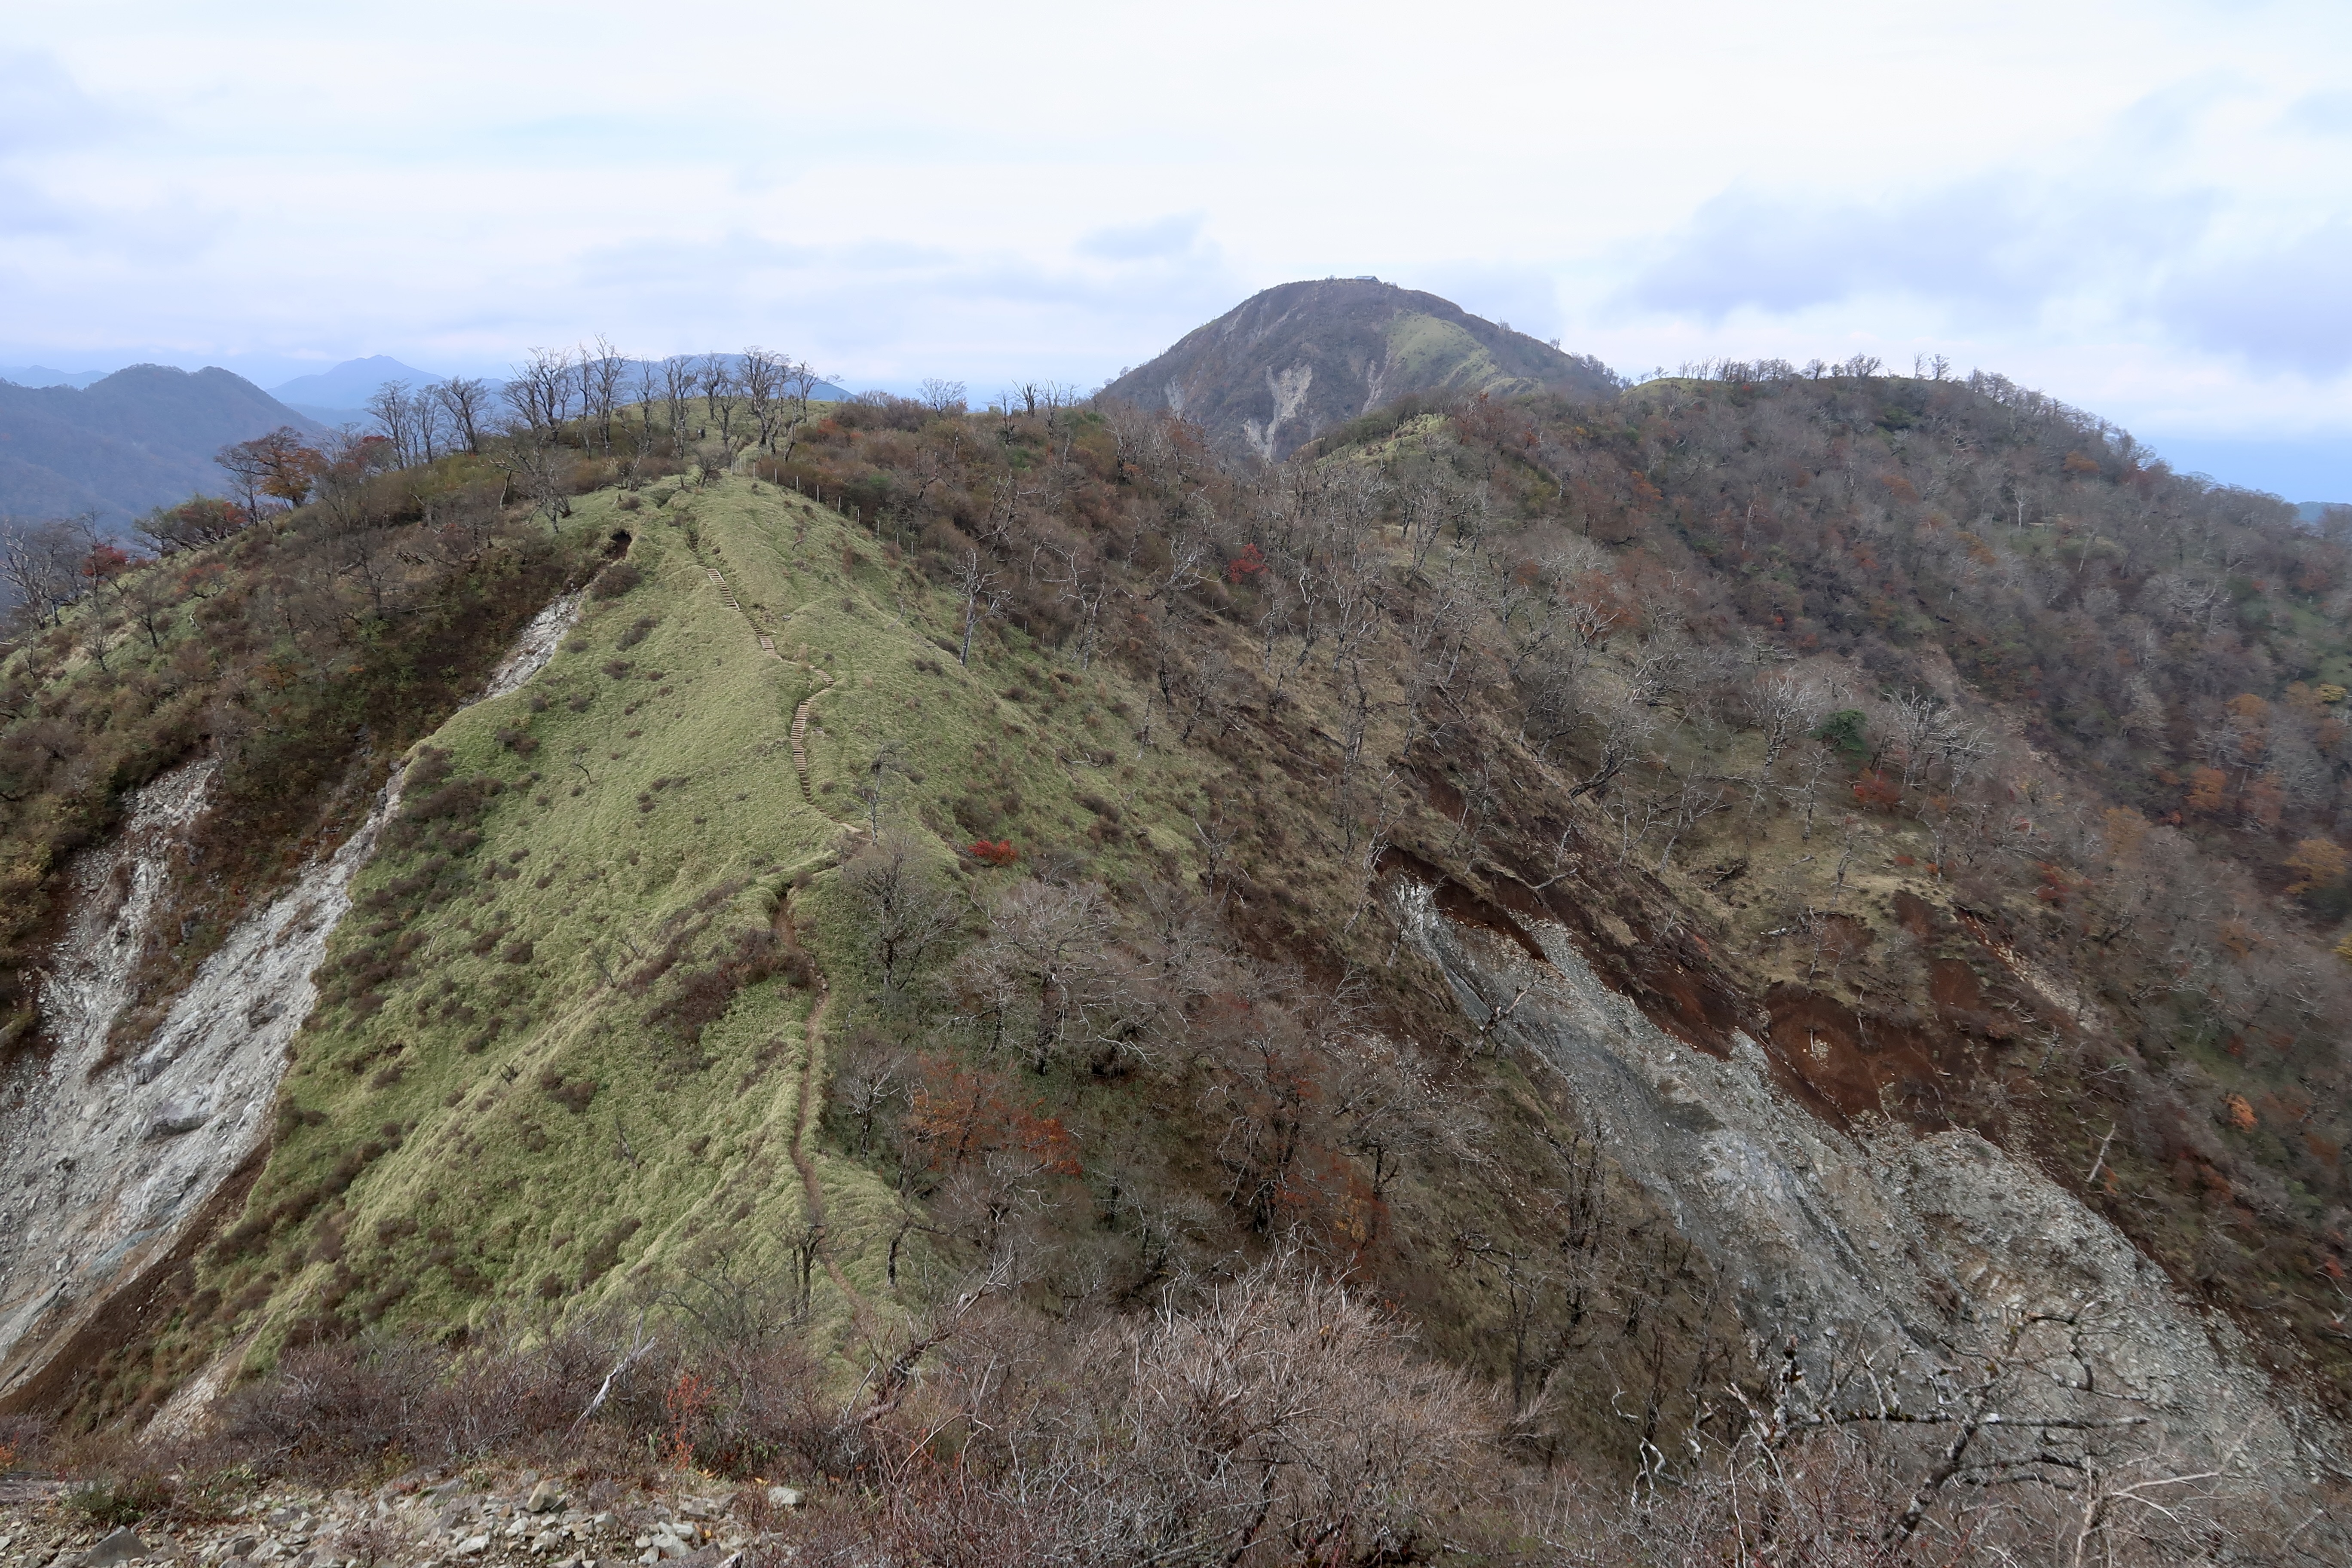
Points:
x=1285, y=1419
x=1843, y=1498
x=22, y=1437
x=713, y=1388
x=934, y=1516
x=332, y=1410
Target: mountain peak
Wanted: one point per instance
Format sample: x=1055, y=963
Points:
x=1296, y=360
x=350, y=384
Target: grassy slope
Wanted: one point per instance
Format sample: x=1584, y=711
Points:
x=498, y=1176
x=1423, y=350
x=460, y=1186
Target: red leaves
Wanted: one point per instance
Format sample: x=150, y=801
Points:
x=960, y=1116
x=1878, y=792
x=105, y=563
x=1249, y=563
x=997, y=853
x=688, y=1403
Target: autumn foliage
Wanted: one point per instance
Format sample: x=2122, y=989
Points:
x=962, y=1115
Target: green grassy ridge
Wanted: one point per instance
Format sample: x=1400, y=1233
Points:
x=1425, y=351
x=303, y=707
x=505, y=1184
x=466, y=1179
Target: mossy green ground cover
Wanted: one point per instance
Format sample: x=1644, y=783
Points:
x=1424, y=349
x=502, y=1104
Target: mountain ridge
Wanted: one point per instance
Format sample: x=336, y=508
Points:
x=139, y=438
x=1838, y=872
x=1299, y=359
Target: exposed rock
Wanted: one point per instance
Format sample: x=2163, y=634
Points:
x=177, y=1117
x=1925, y=1246
x=209, y=1072
x=120, y=1547
x=98, y=1168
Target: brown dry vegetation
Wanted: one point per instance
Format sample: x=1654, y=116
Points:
x=1924, y=730
x=1847, y=705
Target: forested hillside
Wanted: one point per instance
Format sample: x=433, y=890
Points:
x=139, y=438
x=1108, y=1001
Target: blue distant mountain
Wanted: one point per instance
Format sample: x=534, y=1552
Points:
x=140, y=437
x=42, y=376
x=344, y=391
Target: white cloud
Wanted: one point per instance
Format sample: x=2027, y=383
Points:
x=2135, y=200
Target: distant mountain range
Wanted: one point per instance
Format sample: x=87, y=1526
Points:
x=120, y=443
x=1287, y=364
x=45, y=376
x=129, y=441
x=339, y=396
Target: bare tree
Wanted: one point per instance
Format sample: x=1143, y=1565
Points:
x=908, y=909
x=410, y=421
x=603, y=372
x=541, y=390
x=759, y=374
x=1043, y=980
x=677, y=390
x=799, y=382
x=465, y=401
x=645, y=390
x=980, y=600
x=41, y=563
x=717, y=379
x=247, y=470
x=543, y=470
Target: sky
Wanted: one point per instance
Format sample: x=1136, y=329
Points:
x=2142, y=208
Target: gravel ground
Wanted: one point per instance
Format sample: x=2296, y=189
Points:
x=468, y=1520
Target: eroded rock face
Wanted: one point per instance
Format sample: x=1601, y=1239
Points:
x=1921, y=1250
x=102, y=1165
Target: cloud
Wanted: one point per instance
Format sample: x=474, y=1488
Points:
x=2283, y=305
x=42, y=106
x=2321, y=113
x=2006, y=251
x=2002, y=245
x=1163, y=237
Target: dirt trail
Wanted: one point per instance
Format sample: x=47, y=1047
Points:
x=812, y=1034
x=800, y=733
x=804, y=1118
x=726, y=597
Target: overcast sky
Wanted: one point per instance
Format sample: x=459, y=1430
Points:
x=2143, y=207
